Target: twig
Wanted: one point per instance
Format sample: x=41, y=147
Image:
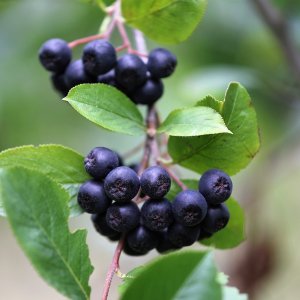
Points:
x=278, y=25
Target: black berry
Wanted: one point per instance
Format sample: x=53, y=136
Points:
x=204, y=234
x=182, y=236
x=155, y=182
x=122, y=184
x=148, y=93
x=59, y=83
x=142, y=240
x=215, y=186
x=131, y=72
x=98, y=57
x=127, y=250
x=161, y=63
x=123, y=217
x=164, y=244
x=75, y=74
x=216, y=219
x=107, y=78
x=189, y=208
x=157, y=214
x=55, y=55
x=101, y=226
x=100, y=161
x=92, y=198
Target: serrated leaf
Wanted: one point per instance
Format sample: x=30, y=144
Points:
x=165, y=21
x=182, y=275
x=230, y=153
x=62, y=164
x=37, y=211
x=234, y=233
x=193, y=121
x=107, y=107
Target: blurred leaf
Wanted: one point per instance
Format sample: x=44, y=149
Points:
x=37, y=210
x=234, y=233
x=167, y=21
x=228, y=152
x=62, y=164
x=182, y=275
x=107, y=107
x=193, y=121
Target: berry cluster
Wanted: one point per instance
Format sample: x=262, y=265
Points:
x=159, y=223
x=140, y=81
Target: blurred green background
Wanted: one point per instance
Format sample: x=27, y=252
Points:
x=232, y=43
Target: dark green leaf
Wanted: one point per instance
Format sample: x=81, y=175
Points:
x=62, y=164
x=37, y=210
x=234, y=233
x=107, y=107
x=182, y=275
x=165, y=21
x=193, y=121
x=229, y=152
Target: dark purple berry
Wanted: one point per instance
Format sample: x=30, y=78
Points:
x=155, y=182
x=108, y=78
x=100, y=161
x=101, y=226
x=127, y=250
x=164, y=244
x=59, y=84
x=122, y=184
x=161, y=63
x=204, y=234
x=215, y=186
x=157, y=214
x=55, y=55
x=92, y=198
x=189, y=208
x=216, y=219
x=123, y=217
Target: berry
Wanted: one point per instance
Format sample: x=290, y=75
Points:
x=155, y=182
x=100, y=161
x=98, y=57
x=157, y=214
x=131, y=72
x=107, y=78
x=100, y=224
x=182, y=236
x=216, y=219
x=189, y=208
x=204, y=234
x=148, y=93
x=122, y=184
x=215, y=186
x=164, y=244
x=127, y=250
x=123, y=217
x=161, y=63
x=59, y=83
x=92, y=198
x=55, y=55
x=142, y=240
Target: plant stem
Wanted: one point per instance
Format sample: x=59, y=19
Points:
x=175, y=178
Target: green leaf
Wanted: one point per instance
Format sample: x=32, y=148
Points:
x=182, y=275
x=37, y=210
x=234, y=233
x=227, y=152
x=193, y=121
x=175, y=189
x=107, y=107
x=165, y=21
x=62, y=164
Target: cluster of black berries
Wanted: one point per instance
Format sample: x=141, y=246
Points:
x=140, y=81
x=159, y=223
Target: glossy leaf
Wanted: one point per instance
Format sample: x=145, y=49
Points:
x=193, y=121
x=107, y=107
x=62, y=164
x=37, y=211
x=228, y=152
x=167, y=21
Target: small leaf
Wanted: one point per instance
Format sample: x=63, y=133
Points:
x=37, y=210
x=182, y=275
x=62, y=164
x=234, y=233
x=107, y=107
x=193, y=121
x=230, y=153
x=167, y=21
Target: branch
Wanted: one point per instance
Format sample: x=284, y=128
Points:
x=278, y=25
